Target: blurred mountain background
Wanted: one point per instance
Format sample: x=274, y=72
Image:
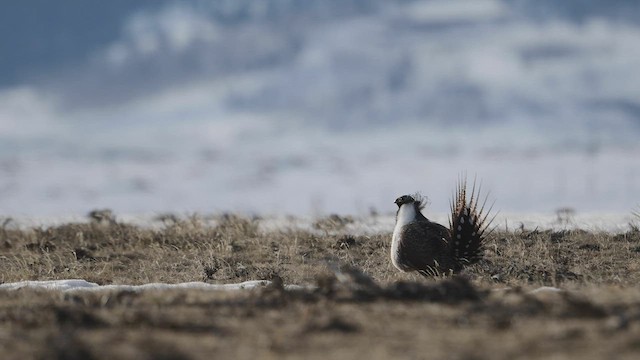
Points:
x=317, y=106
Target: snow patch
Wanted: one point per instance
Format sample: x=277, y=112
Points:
x=83, y=285
x=611, y=222
x=545, y=289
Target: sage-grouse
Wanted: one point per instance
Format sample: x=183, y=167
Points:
x=430, y=248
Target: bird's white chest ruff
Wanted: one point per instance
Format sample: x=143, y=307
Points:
x=406, y=214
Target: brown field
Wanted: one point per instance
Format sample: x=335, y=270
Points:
x=356, y=304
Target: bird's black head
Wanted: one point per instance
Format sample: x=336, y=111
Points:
x=416, y=199
x=404, y=199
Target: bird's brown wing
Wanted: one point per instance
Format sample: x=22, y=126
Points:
x=424, y=246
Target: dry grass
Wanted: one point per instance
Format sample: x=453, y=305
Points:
x=388, y=314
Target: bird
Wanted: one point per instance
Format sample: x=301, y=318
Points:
x=432, y=249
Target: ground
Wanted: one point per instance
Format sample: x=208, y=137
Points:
x=353, y=304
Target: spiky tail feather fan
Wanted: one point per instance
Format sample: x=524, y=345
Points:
x=468, y=224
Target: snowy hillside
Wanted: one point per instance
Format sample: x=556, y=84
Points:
x=316, y=107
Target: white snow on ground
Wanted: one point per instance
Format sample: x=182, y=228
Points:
x=370, y=225
x=82, y=285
